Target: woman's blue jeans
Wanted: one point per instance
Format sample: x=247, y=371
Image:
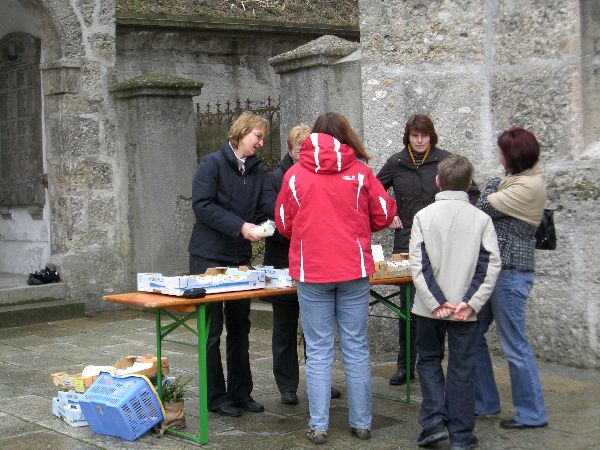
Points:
x=321, y=306
x=507, y=307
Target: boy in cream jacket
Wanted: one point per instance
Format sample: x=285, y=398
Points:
x=454, y=260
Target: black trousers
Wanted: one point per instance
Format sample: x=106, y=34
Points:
x=236, y=315
x=285, y=344
x=450, y=399
x=401, y=364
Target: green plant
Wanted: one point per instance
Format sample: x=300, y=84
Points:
x=174, y=390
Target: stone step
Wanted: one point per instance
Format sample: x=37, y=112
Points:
x=48, y=310
x=23, y=294
x=261, y=314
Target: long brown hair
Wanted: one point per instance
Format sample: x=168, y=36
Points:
x=337, y=125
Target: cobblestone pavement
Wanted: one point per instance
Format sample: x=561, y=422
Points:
x=28, y=354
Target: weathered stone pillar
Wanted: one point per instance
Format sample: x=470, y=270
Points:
x=321, y=76
x=157, y=119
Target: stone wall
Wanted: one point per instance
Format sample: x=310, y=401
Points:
x=230, y=59
x=477, y=68
x=78, y=57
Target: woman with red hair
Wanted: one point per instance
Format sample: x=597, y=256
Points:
x=515, y=202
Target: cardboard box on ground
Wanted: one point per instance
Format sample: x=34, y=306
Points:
x=127, y=365
x=66, y=407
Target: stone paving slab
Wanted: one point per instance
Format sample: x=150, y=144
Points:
x=28, y=354
x=43, y=439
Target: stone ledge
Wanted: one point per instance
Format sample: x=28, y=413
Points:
x=156, y=84
x=324, y=51
x=240, y=25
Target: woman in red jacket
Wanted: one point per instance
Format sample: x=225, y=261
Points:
x=329, y=204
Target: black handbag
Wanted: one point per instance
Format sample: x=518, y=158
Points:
x=545, y=236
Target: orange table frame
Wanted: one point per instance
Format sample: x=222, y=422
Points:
x=195, y=308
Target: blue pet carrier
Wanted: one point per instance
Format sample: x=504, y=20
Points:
x=123, y=407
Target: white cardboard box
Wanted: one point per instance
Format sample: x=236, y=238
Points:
x=70, y=413
x=232, y=280
x=69, y=397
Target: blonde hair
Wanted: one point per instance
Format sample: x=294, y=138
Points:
x=297, y=135
x=245, y=124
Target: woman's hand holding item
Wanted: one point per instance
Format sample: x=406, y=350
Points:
x=463, y=311
x=248, y=233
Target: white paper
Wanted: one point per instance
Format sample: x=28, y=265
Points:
x=377, y=251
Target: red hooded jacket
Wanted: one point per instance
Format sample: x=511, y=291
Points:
x=329, y=205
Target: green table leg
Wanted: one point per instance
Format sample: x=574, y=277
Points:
x=407, y=338
x=159, y=354
x=202, y=325
x=402, y=315
x=202, y=388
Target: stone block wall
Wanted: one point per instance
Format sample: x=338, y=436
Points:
x=88, y=241
x=231, y=64
x=477, y=68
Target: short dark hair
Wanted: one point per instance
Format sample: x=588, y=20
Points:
x=520, y=149
x=422, y=124
x=336, y=125
x=456, y=173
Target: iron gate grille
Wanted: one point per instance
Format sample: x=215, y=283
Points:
x=212, y=127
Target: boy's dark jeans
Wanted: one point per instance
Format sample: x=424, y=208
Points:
x=452, y=400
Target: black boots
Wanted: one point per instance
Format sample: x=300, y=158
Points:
x=44, y=276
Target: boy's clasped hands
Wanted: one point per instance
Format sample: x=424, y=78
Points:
x=462, y=311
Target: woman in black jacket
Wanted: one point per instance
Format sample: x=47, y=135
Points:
x=411, y=173
x=226, y=193
x=285, y=307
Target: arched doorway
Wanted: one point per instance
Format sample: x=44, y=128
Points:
x=24, y=212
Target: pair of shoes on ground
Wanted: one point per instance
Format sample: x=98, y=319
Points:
x=437, y=433
x=47, y=275
x=512, y=424
x=291, y=398
x=236, y=409
x=399, y=377
x=320, y=437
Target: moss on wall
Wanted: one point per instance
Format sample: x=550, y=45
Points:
x=326, y=12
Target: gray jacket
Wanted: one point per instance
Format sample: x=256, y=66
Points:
x=454, y=254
